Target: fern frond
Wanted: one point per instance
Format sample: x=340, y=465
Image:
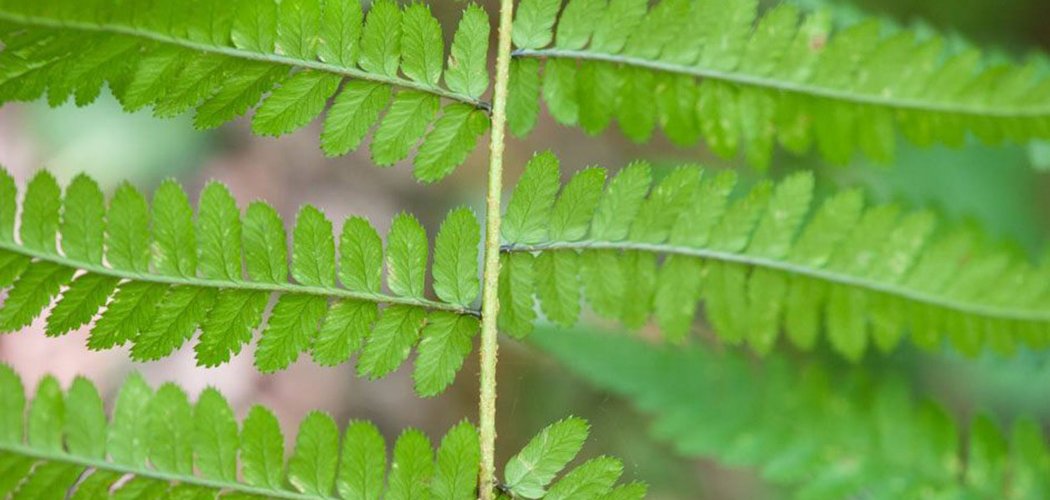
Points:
x=158, y=444
x=222, y=57
x=164, y=271
x=823, y=432
x=763, y=261
x=715, y=69
x=529, y=472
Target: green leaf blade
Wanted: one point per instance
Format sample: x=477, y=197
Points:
x=12, y=406
x=215, y=437
x=265, y=244
x=406, y=256
x=262, y=450
x=83, y=226
x=345, y=328
x=353, y=114
x=403, y=126
x=313, y=249
x=456, y=257
x=396, y=331
x=127, y=230
x=381, y=39
x=422, y=45
x=175, y=239
x=413, y=465
x=363, y=462
x=467, y=71
x=130, y=429
x=80, y=303
x=341, y=27
x=292, y=327
x=170, y=424
x=530, y=205
x=528, y=472
x=312, y=467
x=458, y=460
x=454, y=135
x=219, y=234
x=295, y=103
x=230, y=325
x=40, y=212
x=447, y=341
x=360, y=256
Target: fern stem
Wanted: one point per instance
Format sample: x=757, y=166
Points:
x=240, y=285
x=490, y=292
x=794, y=269
x=145, y=473
x=787, y=86
x=45, y=22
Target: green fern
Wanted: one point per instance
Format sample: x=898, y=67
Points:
x=804, y=425
x=163, y=272
x=713, y=68
x=221, y=58
x=762, y=261
x=171, y=448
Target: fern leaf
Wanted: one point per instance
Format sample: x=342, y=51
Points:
x=312, y=466
x=592, y=479
x=396, y=331
x=467, y=63
x=82, y=225
x=406, y=255
x=175, y=249
x=534, y=467
x=455, y=258
x=160, y=444
x=352, y=115
x=290, y=330
x=297, y=102
x=216, y=436
x=313, y=249
x=80, y=303
x=85, y=425
x=523, y=95
x=530, y=206
x=517, y=282
x=403, y=126
x=346, y=326
x=223, y=58
x=557, y=286
x=363, y=462
x=262, y=449
x=423, y=45
x=170, y=270
x=534, y=23
x=781, y=77
x=413, y=466
x=458, y=459
x=220, y=233
x=765, y=261
x=169, y=419
x=297, y=22
x=129, y=429
x=341, y=33
x=46, y=417
x=40, y=212
x=450, y=141
x=447, y=340
x=748, y=415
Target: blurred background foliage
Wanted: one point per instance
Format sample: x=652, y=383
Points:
x=1002, y=189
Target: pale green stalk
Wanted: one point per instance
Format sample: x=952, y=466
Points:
x=490, y=291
